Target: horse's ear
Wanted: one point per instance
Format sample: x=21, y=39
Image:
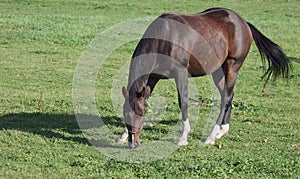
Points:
x=146, y=92
x=125, y=92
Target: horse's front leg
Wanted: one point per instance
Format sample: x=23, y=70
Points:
x=123, y=137
x=182, y=89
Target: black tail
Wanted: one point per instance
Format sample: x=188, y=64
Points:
x=278, y=62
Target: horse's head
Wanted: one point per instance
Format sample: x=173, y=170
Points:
x=134, y=113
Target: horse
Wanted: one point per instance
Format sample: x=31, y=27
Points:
x=178, y=46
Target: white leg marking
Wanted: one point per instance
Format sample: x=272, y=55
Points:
x=123, y=137
x=224, y=130
x=212, y=137
x=186, y=130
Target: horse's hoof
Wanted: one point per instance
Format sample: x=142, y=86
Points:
x=183, y=142
x=209, y=141
x=221, y=133
x=121, y=141
x=224, y=130
x=123, y=138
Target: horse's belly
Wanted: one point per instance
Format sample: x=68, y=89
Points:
x=202, y=67
x=196, y=71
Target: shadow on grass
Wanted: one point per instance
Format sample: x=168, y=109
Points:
x=66, y=127
x=160, y=128
x=63, y=126
x=294, y=59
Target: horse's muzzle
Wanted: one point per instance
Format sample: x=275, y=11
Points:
x=133, y=145
x=134, y=139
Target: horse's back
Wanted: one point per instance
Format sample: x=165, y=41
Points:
x=234, y=29
x=214, y=19
x=201, y=42
x=239, y=33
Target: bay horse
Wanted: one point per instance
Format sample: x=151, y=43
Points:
x=215, y=41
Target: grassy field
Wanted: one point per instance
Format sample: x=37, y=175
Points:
x=40, y=45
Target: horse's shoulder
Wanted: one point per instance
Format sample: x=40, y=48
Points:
x=173, y=16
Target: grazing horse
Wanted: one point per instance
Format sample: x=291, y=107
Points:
x=215, y=41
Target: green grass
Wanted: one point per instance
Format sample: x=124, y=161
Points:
x=40, y=45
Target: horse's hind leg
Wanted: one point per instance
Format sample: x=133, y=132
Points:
x=219, y=80
x=224, y=128
x=224, y=79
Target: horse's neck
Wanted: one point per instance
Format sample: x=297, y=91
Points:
x=142, y=64
x=139, y=72
x=135, y=85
